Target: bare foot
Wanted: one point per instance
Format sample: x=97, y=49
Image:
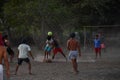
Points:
x=76, y=72
x=15, y=74
x=44, y=60
x=30, y=73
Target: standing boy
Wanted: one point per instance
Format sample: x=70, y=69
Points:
x=74, y=49
x=97, y=46
x=48, y=48
x=8, y=46
x=3, y=55
x=23, y=50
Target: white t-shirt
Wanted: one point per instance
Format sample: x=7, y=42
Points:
x=23, y=50
x=49, y=42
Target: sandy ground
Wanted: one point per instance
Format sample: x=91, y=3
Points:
x=105, y=68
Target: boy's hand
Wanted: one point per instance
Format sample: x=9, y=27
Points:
x=79, y=54
x=33, y=58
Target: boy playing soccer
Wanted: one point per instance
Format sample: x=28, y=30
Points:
x=74, y=49
x=56, y=49
x=23, y=50
x=48, y=48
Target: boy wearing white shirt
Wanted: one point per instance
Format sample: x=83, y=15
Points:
x=23, y=50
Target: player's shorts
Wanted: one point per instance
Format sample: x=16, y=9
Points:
x=97, y=50
x=20, y=60
x=1, y=72
x=56, y=50
x=48, y=48
x=10, y=51
x=73, y=55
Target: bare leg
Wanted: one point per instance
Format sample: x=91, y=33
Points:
x=53, y=56
x=17, y=67
x=45, y=55
x=29, y=68
x=96, y=55
x=11, y=58
x=104, y=49
x=100, y=54
x=74, y=64
x=64, y=55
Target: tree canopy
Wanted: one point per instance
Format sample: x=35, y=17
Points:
x=36, y=17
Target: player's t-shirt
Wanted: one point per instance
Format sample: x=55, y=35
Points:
x=97, y=43
x=23, y=50
x=56, y=45
x=49, y=42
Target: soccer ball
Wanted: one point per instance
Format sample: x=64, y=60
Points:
x=49, y=33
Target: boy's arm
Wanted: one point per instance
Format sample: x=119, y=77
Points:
x=17, y=53
x=79, y=50
x=68, y=45
x=31, y=54
x=6, y=63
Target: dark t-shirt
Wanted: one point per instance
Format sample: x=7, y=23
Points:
x=55, y=43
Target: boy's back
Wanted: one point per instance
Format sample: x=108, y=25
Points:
x=23, y=50
x=72, y=44
x=2, y=51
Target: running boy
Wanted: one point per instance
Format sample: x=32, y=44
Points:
x=56, y=49
x=23, y=50
x=74, y=49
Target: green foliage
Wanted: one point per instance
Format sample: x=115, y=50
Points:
x=62, y=15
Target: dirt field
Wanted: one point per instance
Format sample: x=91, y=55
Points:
x=105, y=68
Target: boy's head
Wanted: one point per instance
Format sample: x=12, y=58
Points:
x=48, y=37
x=97, y=36
x=24, y=40
x=5, y=36
x=72, y=35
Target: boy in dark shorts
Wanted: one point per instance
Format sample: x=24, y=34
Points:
x=23, y=50
x=9, y=49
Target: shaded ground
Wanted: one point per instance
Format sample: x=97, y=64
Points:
x=105, y=68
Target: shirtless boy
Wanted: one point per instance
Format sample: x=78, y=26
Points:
x=3, y=55
x=74, y=49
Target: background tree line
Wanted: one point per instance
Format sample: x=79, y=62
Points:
x=34, y=18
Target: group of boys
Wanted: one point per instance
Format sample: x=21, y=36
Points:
x=22, y=55
x=52, y=44
x=73, y=46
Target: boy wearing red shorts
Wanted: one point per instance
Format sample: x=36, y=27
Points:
x=97, y=46
x=57, y=49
